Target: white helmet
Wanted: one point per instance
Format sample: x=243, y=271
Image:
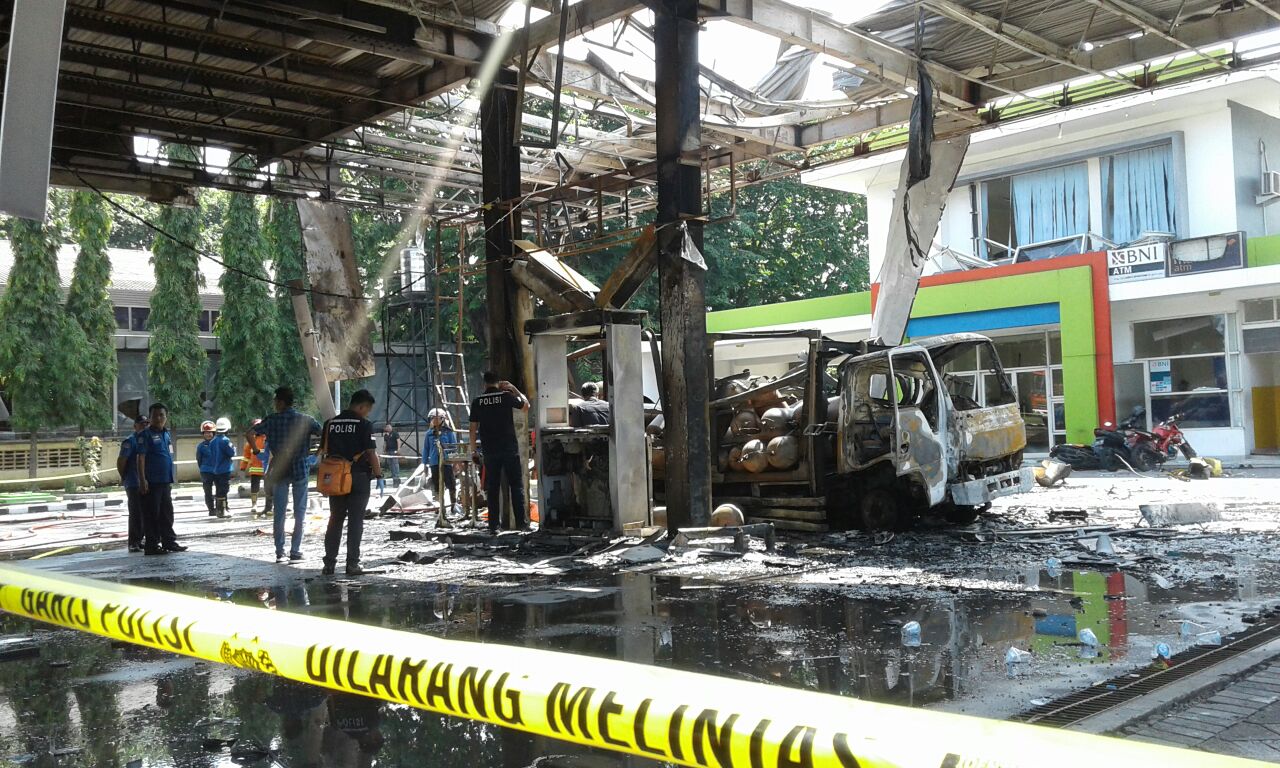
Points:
x=224, y=425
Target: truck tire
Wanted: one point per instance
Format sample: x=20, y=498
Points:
x=958, y=514
x=880, y=509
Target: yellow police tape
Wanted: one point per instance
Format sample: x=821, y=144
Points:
x=668, y=715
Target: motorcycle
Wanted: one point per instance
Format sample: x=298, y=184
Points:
x=1115, y=448
x=1148, y=450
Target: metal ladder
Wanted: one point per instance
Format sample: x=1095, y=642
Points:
x=451, y=387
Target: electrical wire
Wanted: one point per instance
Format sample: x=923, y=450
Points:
x=215, y=259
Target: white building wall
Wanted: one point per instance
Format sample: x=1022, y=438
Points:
x=1197, y=117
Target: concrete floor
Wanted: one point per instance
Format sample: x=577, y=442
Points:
x=824, y=611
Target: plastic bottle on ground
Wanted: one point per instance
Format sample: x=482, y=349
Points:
x=1088, y=643
x=911, y=634
x=1013, y=658
x=1211, y=638
x=1053, y=566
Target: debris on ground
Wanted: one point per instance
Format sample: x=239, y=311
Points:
x=642, y=554
x=1052, y=472
x=1159, y=515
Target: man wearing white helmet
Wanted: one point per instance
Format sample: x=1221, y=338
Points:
x=214, y=457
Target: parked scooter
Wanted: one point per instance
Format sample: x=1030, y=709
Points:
x=1148, y=450
x=1115, y=448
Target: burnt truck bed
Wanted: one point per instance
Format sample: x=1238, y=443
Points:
x=781, y=444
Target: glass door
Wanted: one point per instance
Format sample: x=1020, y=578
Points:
x=1033, y=401
x=1131, y=391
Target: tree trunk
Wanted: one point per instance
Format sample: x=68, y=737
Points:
x=31, y=456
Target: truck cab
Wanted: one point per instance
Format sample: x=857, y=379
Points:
x=910, y=440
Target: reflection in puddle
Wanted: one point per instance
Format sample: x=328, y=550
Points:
x=88, y=702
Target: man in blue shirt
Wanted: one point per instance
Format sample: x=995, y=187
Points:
x=127, y=466
x=213, y=456
x=155, y=484
x=289, y=440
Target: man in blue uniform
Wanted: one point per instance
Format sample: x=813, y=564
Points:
x=493, y=432
x=127, y=466
x=288, y=439
x=155, y=483
x=349, y=435
x=213, y=457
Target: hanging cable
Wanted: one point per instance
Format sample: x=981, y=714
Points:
x=215, y=259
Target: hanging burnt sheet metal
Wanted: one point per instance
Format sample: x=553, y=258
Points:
x=912, y=226
x=558, y=285
x=346, y=349
x=631, y=273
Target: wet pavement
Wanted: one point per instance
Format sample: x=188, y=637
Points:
x=824, y=612
x=86, y=701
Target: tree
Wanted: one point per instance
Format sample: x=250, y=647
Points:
x=248, y=326
x=787, y=241
x=128, y=230
x=89, y=306
x=284, y=244
x=177, y=362
x=42, y=350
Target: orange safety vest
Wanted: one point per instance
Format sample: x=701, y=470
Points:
x=252, y=448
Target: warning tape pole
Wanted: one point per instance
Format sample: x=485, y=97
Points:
x=667, y=715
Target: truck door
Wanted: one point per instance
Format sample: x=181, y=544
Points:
x=919, y=426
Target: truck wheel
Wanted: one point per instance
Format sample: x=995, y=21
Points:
x=959, y=514
x=880, y=509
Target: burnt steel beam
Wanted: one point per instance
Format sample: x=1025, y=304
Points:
x=184, y=38
x=500, y=171
x=404, y=38
x=1218, y=29
x=412, y=90
x=216, y=107
x=72, y=113
x=686, y=376
x=204, y=75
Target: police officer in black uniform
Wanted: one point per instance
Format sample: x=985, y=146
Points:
x=350, y=435
x=491, y=417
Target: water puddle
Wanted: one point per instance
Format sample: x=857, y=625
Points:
x=88, y=702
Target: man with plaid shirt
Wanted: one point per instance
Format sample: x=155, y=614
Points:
x=289, y=440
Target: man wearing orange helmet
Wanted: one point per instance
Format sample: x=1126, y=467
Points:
x=252, y=463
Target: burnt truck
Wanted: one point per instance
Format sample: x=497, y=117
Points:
x=859, y=435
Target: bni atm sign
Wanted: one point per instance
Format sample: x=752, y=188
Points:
x=1139, y=262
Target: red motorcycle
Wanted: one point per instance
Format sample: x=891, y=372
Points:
x=1148, y=450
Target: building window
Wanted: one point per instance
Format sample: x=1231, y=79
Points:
x=1260, y=332
x=1139, y=195
x=1047, y=208
x=132, y=318
x=1260, y=311
x=206, y=321
x=1187, y=364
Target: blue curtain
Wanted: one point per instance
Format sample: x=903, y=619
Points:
x=1142, y=194
x=1051, y=203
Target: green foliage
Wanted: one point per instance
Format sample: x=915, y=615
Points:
x=376, y=235
x=283, y=236
x=89, y=306
x=248, y=326
x=787, y=241
x=42, y=350
x=176, y=363
x=130, y=231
